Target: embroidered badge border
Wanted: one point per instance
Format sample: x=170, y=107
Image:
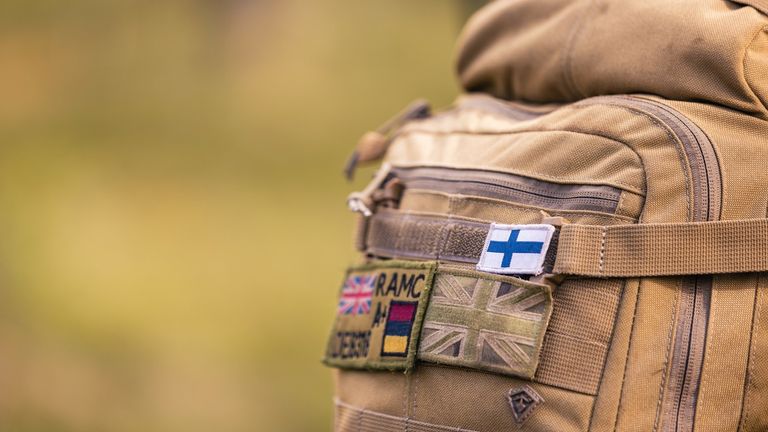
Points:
x=388, y=326
x=485, y=322
x=514, y=253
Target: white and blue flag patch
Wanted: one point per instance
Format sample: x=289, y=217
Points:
x=515, y=249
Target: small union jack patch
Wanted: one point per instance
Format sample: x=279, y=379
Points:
x=379, y=315
x=356, y=295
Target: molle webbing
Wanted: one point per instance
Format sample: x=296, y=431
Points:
x=642, y=250
x=407, y=235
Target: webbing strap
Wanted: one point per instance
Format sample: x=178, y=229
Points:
x=739, y=246
x=406, y=235
x=394, y=234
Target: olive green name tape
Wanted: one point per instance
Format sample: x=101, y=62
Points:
x=391, y=313
x=379, y=315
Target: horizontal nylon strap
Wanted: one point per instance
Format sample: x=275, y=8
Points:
x=406, y=235
x=739, y=246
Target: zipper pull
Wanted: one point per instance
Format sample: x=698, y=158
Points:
x=362, y=201
x=373, y=145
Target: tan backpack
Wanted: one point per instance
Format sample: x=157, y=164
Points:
x=581, y=242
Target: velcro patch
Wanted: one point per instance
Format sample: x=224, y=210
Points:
x=486, y=322
x=515, y=249
x=379, y=315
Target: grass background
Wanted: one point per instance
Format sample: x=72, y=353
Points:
x=172, y=221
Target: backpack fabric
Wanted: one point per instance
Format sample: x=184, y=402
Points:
x=580, y=243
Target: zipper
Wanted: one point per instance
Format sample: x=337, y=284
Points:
x=510, y=187
x=681, y=387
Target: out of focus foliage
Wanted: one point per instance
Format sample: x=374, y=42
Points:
x=172, y=220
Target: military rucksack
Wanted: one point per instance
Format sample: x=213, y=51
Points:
x=581, y=241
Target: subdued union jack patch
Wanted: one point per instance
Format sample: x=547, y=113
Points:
x=515, y=249
x=379, y=315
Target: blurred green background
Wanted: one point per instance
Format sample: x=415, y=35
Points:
x=172, y=222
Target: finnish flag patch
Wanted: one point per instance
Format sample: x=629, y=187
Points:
x=515, y=249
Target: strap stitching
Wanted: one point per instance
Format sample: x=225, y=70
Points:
x=602, y=249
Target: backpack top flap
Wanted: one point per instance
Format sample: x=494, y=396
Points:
x=564, y=50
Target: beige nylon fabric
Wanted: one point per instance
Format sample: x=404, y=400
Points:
x=617, y=352
x=458, y=398
x=753, y=416
x=728, y=337
x=605, y=410
x=579, y=334
x=565, y=50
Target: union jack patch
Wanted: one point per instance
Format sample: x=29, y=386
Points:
x=495, y=324
x=356, y=295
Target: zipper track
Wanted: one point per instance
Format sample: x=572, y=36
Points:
x=511, y=187
x=678, y=410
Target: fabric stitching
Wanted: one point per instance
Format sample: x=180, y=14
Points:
x=485, y=202
x=683, y=158
x=628, y=187
x=406, y=396
x=620, y=210
x=626, y=358
x=756, y=318
x=608, y=353
x=602, y=249
x=665, y=375
x=415, y=404
x=360, y=411
x=759, y=294
x=707, y=375
x=360, y=415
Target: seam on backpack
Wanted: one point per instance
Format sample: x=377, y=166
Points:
x=406, y=397
x=415, y=403
x=678, y=148
x=602, y=249
x=622, y=201
x=626, y=357
x=622, y=298
x=706, y=376
x=456, y=200
x=665, y=375
x=630, y=188
x=745, y=64
x=756, y=318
